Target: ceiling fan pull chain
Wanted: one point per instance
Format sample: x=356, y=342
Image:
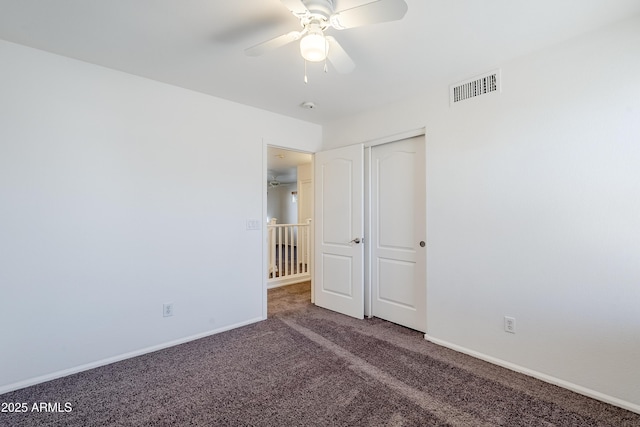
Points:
x=326, y=54
x=305, y=72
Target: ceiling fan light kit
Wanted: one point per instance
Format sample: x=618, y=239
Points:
x=316, y=16
x=313, y=45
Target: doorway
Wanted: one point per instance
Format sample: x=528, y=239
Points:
x=289, y=213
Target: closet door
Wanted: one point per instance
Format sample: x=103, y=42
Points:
x=398, y=228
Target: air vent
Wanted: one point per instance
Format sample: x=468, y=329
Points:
x=479, y=85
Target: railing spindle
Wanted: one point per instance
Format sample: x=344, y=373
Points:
x=279, y=252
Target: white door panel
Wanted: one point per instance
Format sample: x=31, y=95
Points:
x=398, y=219
x=400, y=272
x=339, y=215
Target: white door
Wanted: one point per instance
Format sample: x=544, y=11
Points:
x=339, y=217
x=398, y=232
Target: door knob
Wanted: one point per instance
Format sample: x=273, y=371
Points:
x=356, y=240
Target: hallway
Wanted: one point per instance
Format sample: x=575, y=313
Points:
x=288, y=299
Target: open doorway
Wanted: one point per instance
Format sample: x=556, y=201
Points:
x=289, y=208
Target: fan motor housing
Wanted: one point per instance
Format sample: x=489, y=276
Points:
x=323, y=8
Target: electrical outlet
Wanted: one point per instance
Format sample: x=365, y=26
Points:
x=167, y=309
x=510, y=324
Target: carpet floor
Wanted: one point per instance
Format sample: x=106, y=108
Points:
x=306, y=366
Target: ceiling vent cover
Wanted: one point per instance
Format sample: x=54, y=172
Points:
x=476, y=86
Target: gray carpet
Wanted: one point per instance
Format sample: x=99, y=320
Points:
x=307, y=366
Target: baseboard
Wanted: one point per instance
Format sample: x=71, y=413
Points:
x=287, y=282
x=118, y=358
x=539, y=375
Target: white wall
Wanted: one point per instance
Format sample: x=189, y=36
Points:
x=533, y=211
x=280, y=205
x=110, y=205
x=305, y=192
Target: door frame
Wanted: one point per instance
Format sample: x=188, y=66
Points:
x=265, y=235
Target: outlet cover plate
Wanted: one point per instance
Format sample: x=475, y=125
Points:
x=510, y=324
x=167, y=310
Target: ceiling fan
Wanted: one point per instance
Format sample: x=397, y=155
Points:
x=316, y=16
x=274, y=183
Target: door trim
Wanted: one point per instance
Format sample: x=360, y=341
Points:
x=395, y=137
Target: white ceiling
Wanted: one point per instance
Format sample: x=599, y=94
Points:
x=282, y=164
x=198, y=44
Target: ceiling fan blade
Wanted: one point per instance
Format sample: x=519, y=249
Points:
x=250, y=26
x=370, y=13
x=341, y=61
x=272, y=44
x=296, y=7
